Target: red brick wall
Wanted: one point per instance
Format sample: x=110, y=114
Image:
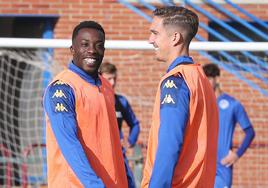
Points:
x=139, y=72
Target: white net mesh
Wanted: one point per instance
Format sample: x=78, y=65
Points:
x=23, y=76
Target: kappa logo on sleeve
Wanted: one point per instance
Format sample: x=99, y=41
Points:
x=168, y=100
x=60, y=108
x=59, y=82
x=170, y=84
x=59, y=94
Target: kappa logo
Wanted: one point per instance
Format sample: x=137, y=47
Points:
x=60, y=108
x=169, y=84
x=168, y=99
x=59, y=94
x=59, y=82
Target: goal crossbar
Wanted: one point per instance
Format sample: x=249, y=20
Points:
x=132, y=44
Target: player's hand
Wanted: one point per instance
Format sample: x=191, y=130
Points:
x=125, y=143
x=230, y=159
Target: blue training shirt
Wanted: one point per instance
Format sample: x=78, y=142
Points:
x=174, y=113
x=231, y=112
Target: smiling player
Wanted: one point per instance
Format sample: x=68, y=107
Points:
x=83, y=144
x=182, y=142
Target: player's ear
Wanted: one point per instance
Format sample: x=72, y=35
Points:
x=177, y=38
x=72, y=50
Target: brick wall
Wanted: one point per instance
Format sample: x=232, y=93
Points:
x=139, y=72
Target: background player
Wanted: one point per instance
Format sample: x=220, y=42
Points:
x=231, y=112
x=123, y=112
x=122, y=106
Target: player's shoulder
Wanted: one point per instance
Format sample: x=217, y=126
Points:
x=121, y=98
x=173, y=89
x=228, y=97
x=59, y=97
x=226, y=100
x=59, y=84
x=172, y=82
x=59, y=88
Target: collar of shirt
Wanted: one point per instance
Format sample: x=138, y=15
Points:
x=84, y=75
x=222, y=95
x=180, y=60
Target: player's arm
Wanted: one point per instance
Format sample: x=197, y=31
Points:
x=174, y=112
x=243, y=120
x=132, y=121
x=59, y=104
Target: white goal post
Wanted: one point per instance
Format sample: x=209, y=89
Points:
x=132, y=44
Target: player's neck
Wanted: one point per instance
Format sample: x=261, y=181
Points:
x=218, y=91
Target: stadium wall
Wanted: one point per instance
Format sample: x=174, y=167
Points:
x=139, y=72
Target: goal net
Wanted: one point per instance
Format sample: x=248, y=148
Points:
x=23, y=76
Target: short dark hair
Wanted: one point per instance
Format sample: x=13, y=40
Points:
x=87, y=24
x=107, y=67
x=179, y=17
x=211, y=70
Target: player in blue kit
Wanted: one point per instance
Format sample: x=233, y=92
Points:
x=125, y=113
x=122, y=106
x=231, y=112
